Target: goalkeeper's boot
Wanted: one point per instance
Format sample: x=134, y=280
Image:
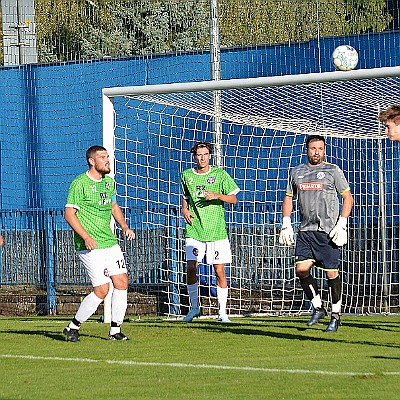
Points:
x=71, y=334
x=318, y=314
x=223, y=318
x=117, y=336
x=193, y=313
x=334, y=323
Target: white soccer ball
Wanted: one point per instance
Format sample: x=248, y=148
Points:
x=345, y=58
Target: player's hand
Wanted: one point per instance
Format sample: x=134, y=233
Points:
x=339, y=233
x=187, y=215
x=286, y=236
x=128, y=233
x=1, y=240
x=209, y=195
x=90, y=243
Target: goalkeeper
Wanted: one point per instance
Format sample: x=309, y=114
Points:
x=322, y=231
x=205, y=190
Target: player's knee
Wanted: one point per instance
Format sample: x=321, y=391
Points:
x=101, y=291
x=120, y=281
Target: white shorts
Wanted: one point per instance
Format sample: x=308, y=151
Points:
x=218, y=252
x=100, y=264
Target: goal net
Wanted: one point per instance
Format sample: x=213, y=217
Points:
x=259, y=127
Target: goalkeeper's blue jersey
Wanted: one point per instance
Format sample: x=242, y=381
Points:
x=317, y=188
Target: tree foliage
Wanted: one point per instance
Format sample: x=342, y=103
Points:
x=277, y=21
x=82, y=29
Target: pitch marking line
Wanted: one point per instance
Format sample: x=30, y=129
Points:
x=199, y=366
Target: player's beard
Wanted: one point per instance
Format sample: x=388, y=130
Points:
x=104, y=170
x=315, y=160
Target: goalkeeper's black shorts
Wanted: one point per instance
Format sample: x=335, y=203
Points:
x=317, y=247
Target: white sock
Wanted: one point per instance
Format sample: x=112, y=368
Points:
x=193, y=291
x=87, y=308
x=316, y=301
x=119, y=303
x=337, y=307
x=222, y=296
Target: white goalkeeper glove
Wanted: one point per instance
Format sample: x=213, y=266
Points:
x=339, y=233
x=286, y=236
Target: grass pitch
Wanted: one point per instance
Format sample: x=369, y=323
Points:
x=252, y=358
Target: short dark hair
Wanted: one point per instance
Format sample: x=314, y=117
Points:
x=313, y=138
x=392, y=113
x=201, y=145
x=91, y=151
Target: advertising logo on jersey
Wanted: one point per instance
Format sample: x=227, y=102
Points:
x=103, y=199
x=200, y=191
x=310, y=186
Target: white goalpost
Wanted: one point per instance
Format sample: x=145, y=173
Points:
x=264, y=123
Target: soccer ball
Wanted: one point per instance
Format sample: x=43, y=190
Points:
x=345, y=58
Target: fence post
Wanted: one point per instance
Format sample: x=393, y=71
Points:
x=49, y=263
x=174, y=298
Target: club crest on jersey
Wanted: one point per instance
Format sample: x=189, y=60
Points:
x=107, y=185
x=195, y=251
x=321, y=175
x=106, y=273
x=211, y=180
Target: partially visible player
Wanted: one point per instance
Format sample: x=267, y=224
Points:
x=90, y=204
x=391, y=118
x=205, y=190
x=322, y=231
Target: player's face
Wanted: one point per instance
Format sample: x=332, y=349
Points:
x=316, y=152
x=101, y=162
x=392, y=131
x=202, y=158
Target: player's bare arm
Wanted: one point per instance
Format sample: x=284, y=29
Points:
x=347, y=203
x=74, y=223
x=119, y=217
x=227, y=198
x=287, y=206
x=186, y=213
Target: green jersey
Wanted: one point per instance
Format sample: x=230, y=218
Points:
x=93, y=202
x=209, y=222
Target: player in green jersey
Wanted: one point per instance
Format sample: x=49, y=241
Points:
x=322, y=230
x=91, y=203
x=205, y=190
x=391, y=118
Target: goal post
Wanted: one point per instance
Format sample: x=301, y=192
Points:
x=264, y=125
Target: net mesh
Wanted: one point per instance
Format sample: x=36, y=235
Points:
x=263, y=135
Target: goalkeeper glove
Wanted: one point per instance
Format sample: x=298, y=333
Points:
x=286, y=236
x=339, y=233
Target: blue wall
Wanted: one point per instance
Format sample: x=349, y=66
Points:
x=50, y=114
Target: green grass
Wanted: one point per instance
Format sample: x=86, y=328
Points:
x=252, y=358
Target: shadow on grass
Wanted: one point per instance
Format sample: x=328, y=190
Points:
x=299, y=332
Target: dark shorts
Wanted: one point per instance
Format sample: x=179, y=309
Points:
x=317, y=247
